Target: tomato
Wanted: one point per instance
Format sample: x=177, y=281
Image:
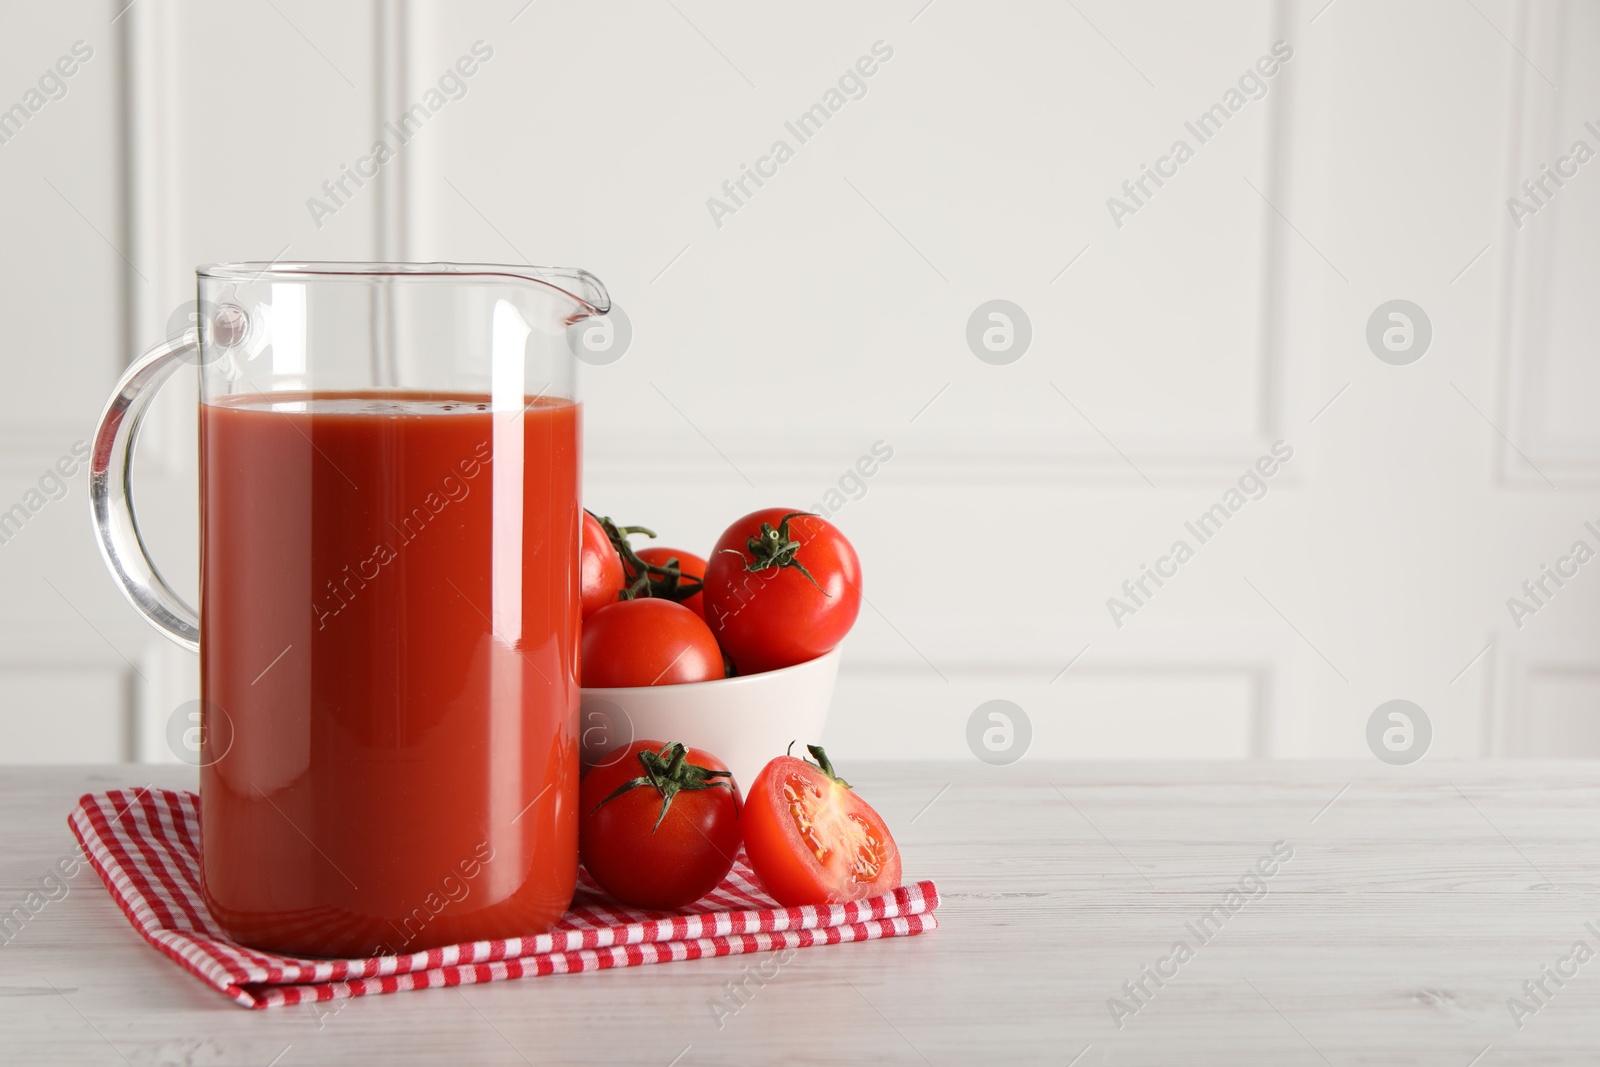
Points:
x=781, y=587
x=663, y=838
x=601, y=566
x=691, y=568
x=811, y=840
x=647, y=642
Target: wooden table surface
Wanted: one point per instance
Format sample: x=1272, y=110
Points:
x=1416, y=902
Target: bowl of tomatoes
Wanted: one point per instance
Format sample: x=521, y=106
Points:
x=735, y=652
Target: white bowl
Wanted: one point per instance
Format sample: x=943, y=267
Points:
x=744, y=721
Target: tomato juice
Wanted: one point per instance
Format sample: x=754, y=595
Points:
x=388, y=653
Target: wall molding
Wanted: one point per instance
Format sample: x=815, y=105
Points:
x=71, y=653
x=1028, y=683
x=1265, y=677
x=1527, y=264
x=1072, y=458
x=1514, y=691
x=152, y=146
x=394, y=21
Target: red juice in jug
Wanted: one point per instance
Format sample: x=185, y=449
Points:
x=389, y=603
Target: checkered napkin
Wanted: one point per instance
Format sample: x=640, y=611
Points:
x=145, y=845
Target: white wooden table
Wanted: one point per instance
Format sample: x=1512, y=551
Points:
x=1416, y=902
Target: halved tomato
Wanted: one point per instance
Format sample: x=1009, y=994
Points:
x=811, y=840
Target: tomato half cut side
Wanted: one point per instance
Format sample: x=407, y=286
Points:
x=811, y=840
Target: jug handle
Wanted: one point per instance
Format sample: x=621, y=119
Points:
x=116, y=527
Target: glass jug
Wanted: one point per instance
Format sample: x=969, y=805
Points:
x=389, y=583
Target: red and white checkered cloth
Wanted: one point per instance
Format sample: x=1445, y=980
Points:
x=145, y=845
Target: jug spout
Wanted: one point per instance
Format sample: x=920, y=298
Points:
x=579, y=286
x=584, y=288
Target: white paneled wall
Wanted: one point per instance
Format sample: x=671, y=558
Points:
x=780, y=336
